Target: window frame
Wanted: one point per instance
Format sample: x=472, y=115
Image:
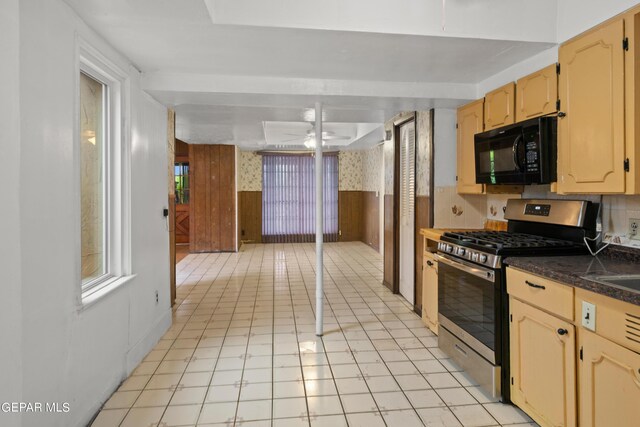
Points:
x=116, y=173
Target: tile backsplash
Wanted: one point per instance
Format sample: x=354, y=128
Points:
x=470, y=211
x=453, y=210
x=496, y=205
x=616, y=213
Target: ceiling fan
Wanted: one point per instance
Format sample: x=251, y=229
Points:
x=309, y=139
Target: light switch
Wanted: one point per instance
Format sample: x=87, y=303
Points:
x=589, y=315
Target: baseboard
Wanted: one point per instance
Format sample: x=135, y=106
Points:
x=140, y=350
x=375, y=248
x=133, y=358
x=389, y=286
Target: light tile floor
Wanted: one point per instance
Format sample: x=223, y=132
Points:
x=243, y=351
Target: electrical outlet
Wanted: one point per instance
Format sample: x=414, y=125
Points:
x=589, y=316
x=633, y=228
x=157, y=298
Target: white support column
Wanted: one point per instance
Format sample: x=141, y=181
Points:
x=319, y=224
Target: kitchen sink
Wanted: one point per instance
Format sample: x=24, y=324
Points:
x=629, y=282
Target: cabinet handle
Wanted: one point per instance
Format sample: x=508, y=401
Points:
x=429, y=263
x=562, y=331
x=562, y=114
x=533, y=285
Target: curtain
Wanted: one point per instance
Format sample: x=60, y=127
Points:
x=289, y=195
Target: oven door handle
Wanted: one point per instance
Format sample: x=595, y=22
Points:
x=482, y=273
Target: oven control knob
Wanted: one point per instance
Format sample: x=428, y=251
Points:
x=474, y=257
x=483, y=258
x=461, y=251
x=448, y=248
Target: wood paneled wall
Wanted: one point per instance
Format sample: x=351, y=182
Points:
x=389, y=243
x=358, y=217
x=227, y=196
x=371, y=219
x=212, y=213
x=182, y=151
x=350, y=215
x=422, y=221
x=250, y=214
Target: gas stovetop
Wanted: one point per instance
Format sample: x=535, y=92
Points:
x=496, y=241
x=535, y=227
x=489, y=247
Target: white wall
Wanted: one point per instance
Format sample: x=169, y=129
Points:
x=444, y=147
x=72, y=355
x=461, y=18
x=10, y=314
x=470, y=209
x=576, y=16
x=521, y=69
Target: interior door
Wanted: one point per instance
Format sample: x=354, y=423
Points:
x=407, y=209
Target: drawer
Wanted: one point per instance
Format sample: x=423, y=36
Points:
x=540, y=292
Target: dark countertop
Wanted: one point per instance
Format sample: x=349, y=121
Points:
x=575, y=270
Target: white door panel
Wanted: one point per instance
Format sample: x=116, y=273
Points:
x=407, y=209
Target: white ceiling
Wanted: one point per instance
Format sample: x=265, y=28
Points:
x=274, y=62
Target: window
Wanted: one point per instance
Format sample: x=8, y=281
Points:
x=289, y=198
x=103, y=159
x=93, y=107
x=181, y=173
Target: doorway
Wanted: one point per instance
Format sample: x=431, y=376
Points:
x=407, y=184
x=181, y=176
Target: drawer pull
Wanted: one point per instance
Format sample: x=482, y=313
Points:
x=533, y=285
x=430, y=264
x=562, y=331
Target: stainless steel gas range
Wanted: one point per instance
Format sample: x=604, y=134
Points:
x=472, y=300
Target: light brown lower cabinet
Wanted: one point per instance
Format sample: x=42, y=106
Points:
x=609, y=379
x=430, y=292
x=543, y=361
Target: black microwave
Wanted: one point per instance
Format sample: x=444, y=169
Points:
x=522, y=153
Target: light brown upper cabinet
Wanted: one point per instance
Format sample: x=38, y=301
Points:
x=498, y=107
x=591, y=125
x=470, y=122
x=537, y=94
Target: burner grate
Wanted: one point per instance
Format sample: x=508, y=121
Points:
x=507, y=240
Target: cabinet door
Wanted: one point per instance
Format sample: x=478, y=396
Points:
x=609, y=383
x=537, y=93
x=498, y=107
x=542, y=354
x=470, y=122
x=430, y=292
x=591, y=143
